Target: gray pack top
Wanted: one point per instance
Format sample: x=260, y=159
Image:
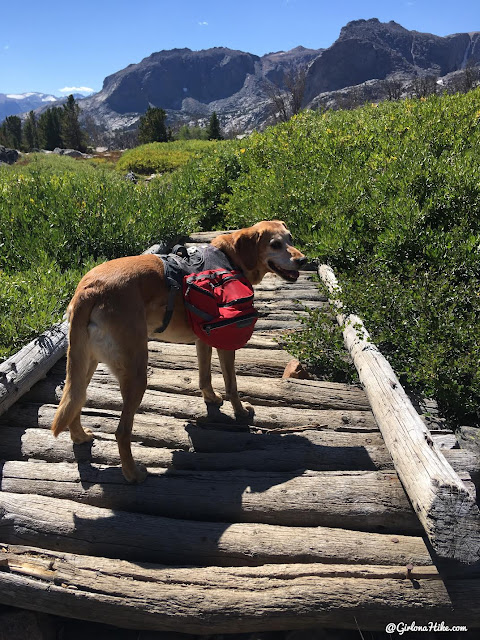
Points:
x=183, y=262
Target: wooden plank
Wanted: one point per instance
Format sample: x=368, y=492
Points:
x=293, y=293
x=265, y=324
x=156, y=430
x=21, y=371
x=289, y=391
x=219, y=599
x=259, y=362
x=149, y=428
x=78, y=528
x=107, y=397
x=289, y=453
x=445, y=507
x=288, y=305
x=360, y=500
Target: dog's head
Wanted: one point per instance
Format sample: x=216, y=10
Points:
x=267, y=246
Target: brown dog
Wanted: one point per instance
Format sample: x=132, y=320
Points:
x=120, y=303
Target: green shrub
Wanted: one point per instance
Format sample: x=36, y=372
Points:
x=33, y=300
x=389, y=195
x=161, y=157
x=57, y=218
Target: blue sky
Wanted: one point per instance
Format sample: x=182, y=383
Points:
x=57, y=45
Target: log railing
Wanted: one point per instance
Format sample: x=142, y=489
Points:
x=444, y=505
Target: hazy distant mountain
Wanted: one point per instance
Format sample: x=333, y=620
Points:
x=12, y=104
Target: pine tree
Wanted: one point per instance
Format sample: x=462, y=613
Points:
x=71, y=132
x=11, y=132
x=213, y=129
x=49, y=129
x=152, y=126
x=30, y=132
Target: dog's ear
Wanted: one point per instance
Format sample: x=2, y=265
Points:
x=246, y=249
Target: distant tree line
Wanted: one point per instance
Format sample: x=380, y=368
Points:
x=152, y=128
x=55, y=127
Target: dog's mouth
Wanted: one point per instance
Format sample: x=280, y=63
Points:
x=289, y=276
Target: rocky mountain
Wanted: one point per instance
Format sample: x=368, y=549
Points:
x=190, y=85
x=12, y=104
x=369, y=49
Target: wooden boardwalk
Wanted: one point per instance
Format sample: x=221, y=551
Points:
x=298, y=520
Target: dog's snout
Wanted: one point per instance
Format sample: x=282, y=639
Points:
x=301, y=261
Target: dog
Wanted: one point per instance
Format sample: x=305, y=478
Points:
x=118, y=305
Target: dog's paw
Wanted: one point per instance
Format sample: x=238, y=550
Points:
x=87, y=436
x=137, y=475
x=246, y=412
x=213, y=397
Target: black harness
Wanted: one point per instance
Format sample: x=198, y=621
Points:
x=183, y=261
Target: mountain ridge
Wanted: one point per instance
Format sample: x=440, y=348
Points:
x=238, y=85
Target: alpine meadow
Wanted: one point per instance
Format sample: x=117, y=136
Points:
x=388, y=194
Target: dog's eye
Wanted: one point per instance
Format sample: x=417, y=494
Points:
x=276, y=244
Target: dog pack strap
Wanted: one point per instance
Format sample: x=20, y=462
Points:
x=173, y=288
x=198, y=312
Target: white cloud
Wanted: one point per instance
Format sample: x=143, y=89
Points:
x=6, y=47
x=19, y=96
x=76, y=90
x=203, y=24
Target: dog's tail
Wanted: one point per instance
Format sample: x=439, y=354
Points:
x=78, y=362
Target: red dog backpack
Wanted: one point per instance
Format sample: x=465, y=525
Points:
x=219, y=304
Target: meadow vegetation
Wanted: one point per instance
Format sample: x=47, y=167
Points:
x=159, y=157
x=58, y=217
x=388, y=194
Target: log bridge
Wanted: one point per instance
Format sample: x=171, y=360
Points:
x=338, y=506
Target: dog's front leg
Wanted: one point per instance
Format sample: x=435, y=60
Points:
x=204, y=356
x=227, y=363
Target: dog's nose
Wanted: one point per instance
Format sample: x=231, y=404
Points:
x=301, y=261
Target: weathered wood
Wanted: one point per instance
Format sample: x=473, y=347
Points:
x=285, y=453
x=282, y=316
x=445, y=507
x=293, y=293
x=221, y=599
x=160, y=405
x=361, y=500
x=288, y=392
x=288, y=305
x=204, y=237
x=21, y=371
x=78, y=528
x=335, y=428
x=208, y=440
x=257, y=362
x=265, y=324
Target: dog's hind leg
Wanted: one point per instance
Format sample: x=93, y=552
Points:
x=132, y=377
x=204, y=356
x=227, y=363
